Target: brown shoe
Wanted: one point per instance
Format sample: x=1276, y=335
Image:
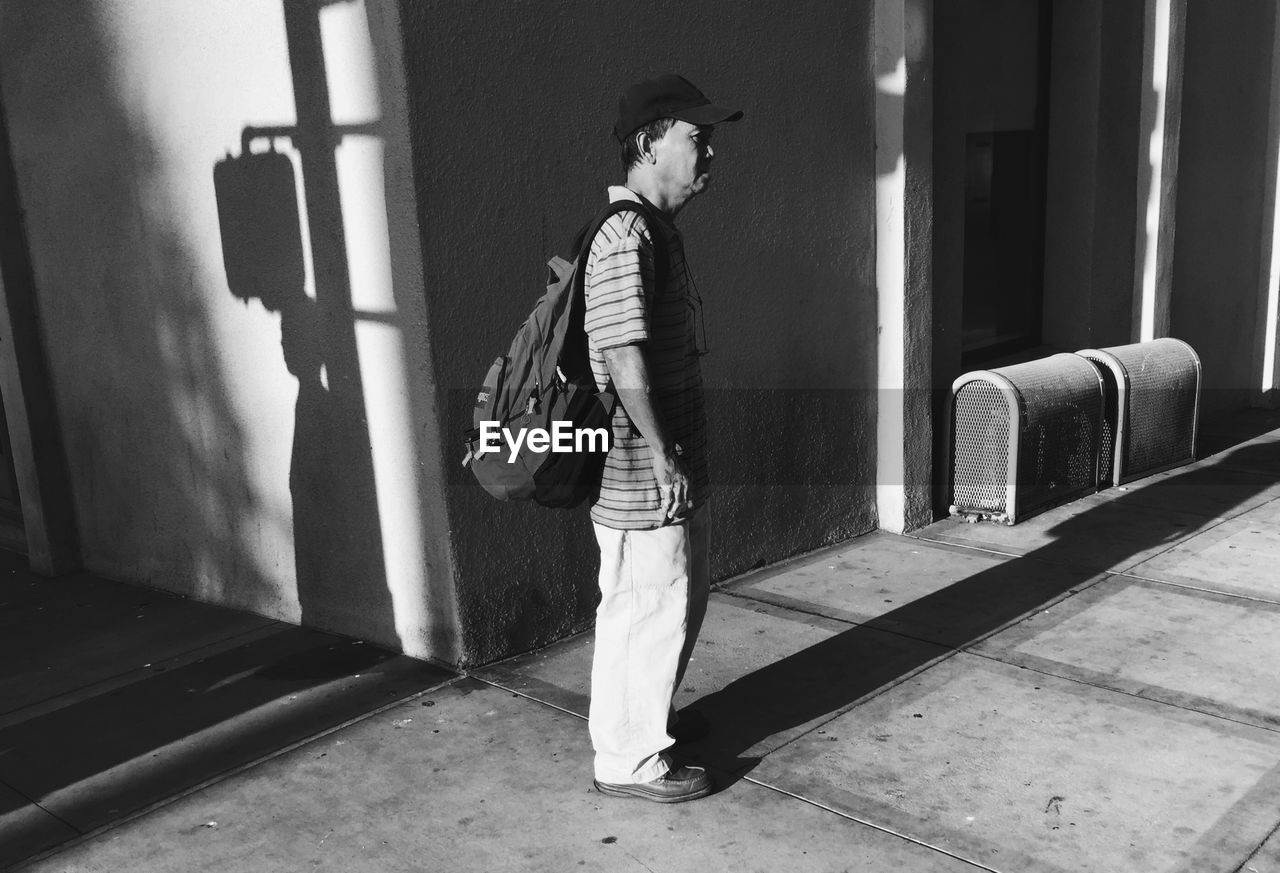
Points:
x=675, y=786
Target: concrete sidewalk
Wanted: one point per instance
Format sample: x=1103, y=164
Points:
x=1093, y=689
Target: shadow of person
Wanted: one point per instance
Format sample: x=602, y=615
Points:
x=768, y=708
x=341, y=576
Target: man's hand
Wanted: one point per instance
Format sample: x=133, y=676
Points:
x=673, y=484
x=630, y=372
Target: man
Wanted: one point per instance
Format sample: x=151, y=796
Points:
x=642, y=320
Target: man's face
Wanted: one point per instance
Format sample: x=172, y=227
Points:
x=683, y=162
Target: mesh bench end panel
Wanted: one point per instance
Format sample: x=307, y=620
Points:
x=1153, y=401
x=1025, y=437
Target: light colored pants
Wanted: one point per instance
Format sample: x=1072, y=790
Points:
x=653, y=596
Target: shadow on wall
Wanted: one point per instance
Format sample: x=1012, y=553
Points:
x=338, y=544
x=129, y=342
x=55, y=549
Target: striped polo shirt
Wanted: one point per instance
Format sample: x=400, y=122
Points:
x=623, y=307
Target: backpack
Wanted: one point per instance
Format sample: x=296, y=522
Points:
x=544, y=386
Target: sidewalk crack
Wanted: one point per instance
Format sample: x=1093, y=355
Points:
x=40, y=806
x=873, y=825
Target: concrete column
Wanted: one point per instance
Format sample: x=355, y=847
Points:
x=1092, y=193
x=904, y=215
x=1164, y=29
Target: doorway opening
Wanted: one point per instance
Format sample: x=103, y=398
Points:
x=1005, y=142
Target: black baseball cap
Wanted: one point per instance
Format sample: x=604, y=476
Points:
x=666, y=96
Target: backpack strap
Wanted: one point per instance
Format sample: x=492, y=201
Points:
x=582, y=242
x=582, y=251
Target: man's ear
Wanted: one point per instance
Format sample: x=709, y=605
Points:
x=644, y=147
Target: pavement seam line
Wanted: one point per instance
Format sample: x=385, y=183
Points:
x=1113, y=569
x=811, y=612
x=868, y=624
x=830, y=717
x=1243, y=468
x=1253, y=853
x=873, y=825
x=774, y=568
x=986, y=550
x=721, y=586
x=1030, y=556
x=774, y=788
x=40, y=807
x=517, y=692
x=825, y=720
x=841, y=711
x=126, y=678
x=1051, y=603
x=952, y=650
x=1188, y=587
x=1136, y=696
x=232, y=772
x=1218, y=521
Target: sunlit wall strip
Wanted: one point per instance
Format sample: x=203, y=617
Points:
x=1271, y=291
x=355, y=99
x=1155, y=154
x=891, y=88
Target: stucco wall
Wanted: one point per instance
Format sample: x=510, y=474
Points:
x=1217, y=250
x=271, y=451
x=512, y=105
